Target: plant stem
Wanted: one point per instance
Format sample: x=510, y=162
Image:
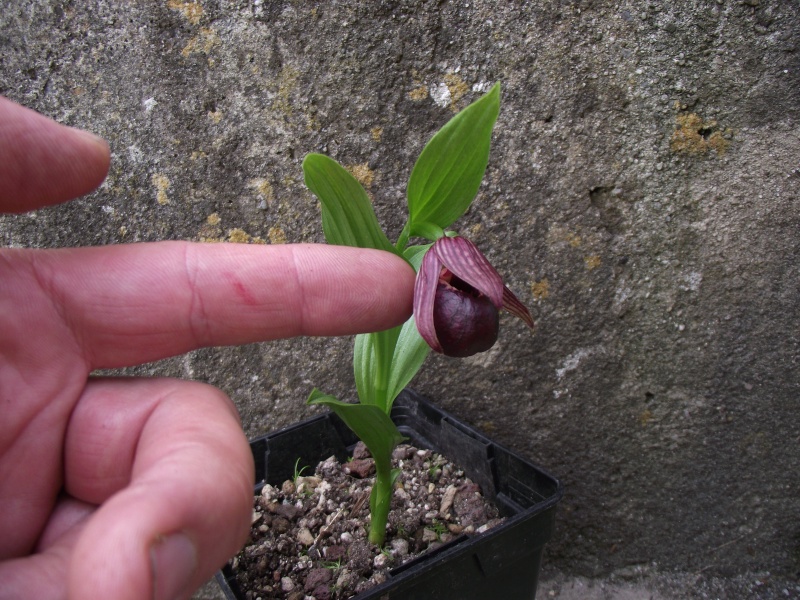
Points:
x=380, y=500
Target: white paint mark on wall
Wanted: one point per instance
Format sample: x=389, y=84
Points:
x=135, y=154
x=573, y=361
x=692, y=281
x=440, y=94
x=621, y=295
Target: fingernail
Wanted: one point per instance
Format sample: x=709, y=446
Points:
x=174, y=560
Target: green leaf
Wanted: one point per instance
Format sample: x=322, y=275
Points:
x=414, y=254
x=410, y=353
x=368, y=422
x=448, y=172
x=429, y=231
x=348, y=218
x=372, y=360
x=402, y=239
x=363, y=361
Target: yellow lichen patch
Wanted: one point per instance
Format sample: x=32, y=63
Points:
x=276, y=235
x=419, y=93
x=363, y=173
x=203, y=43
x=645, y=417
x=210, y=231
x=198, y=154
x=263, y=188
x=215, y=116
x=592, y=261
x=458, y=88
x=161, y=183
x=474, y=230
x=540, y=289
x=312, y=122
x=288, y=181
x=287, y=82
x=487, y=426
x=376, y=132
x=574, y=240
x=238, y=236
x=191, y=11
x=693, y=135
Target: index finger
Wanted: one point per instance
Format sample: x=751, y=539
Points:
x=136, y=303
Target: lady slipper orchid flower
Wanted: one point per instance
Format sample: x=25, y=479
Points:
x=457, y=298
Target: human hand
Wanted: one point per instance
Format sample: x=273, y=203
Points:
x=139, y=488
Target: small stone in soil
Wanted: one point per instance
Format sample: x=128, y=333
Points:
x=316, y=578
x=360, y=467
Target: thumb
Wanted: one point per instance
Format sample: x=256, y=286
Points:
x=186, y=509
x=130, y=551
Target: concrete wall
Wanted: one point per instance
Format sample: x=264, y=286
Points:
x=642, y=197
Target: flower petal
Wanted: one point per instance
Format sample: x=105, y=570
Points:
x=463, y=258
x=513, y=305
x=424, y=296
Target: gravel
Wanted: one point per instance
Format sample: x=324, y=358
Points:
x=309, y=536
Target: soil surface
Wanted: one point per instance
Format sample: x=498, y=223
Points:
x=309, y=538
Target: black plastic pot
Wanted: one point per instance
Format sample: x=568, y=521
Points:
x=501, y=563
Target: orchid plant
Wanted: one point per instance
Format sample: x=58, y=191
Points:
x=458, y=293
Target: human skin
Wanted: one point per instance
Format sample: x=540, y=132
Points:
x=133, y=488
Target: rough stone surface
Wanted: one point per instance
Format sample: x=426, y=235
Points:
x=642, y=196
